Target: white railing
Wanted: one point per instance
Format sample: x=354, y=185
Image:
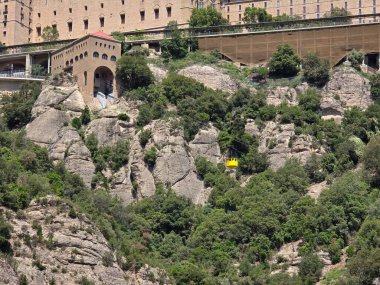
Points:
x=19, y=73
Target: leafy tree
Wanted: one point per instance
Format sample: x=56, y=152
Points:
x=371, y=160
x=177, y=87
x=254, y=15
x=118, y=36
x=310, y=100
x=310, y=269
x=375, y=87
x=206, y=17
x=18, y=106
x=176, y=47
x=356, y=58
x=5, y=235
x=316, y=70
x=50, y=34
x=337, y=12
x=38, y=70
x=133, y=71
x=284, y=62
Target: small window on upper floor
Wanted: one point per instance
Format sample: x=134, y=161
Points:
x=169, y=11
x=70, y=10
x=122, y=2
x=101, y=19
x=70, y=26
x=122, y=18
x=101, y=5
x=156, y=13
x=85, y=23
x=39, y=15
x=113, y=58
x=95, y=54
x=55, y=13
x=104, y=56
x=85, y=54
x=142, y=15
x=85, y=8
x=4, y=33
x=38, y=29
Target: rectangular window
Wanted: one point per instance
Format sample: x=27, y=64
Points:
x=85, y=8
x=70, y=26
x=239, y=17
x=304, y=9
x=265, y=5
x=291, y=2
x=39, y=15
x=142, y=15
x=54, y=26
x=85, y=24
x=4, y=34
x=239, y=7
x=122, y=18
x=122, y=2
x=228, y=8
x=331, y=7
x=38, y=29
x=278, y=12
x=345, y=5
x=169, y=11
x=70, y=10
x=291, y=11
x=101, y=20
x=5, y=24
x=156, y=13
x=55, y=13
x=101, y=5
x=317, y=8
x=228, y=18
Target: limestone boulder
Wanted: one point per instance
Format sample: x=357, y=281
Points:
x=44, y=129
x=158, y=72
x=346, y=88
x=205, y=144
x=107, y=130
x=211, y=77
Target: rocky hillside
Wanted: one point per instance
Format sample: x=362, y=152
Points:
x=153, y=188
x=53, y=244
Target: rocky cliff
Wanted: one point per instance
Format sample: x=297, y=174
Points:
x=53, y=244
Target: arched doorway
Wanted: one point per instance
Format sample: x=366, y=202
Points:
x=103, y=81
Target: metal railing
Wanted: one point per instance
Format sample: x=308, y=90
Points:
x=15, y=49
x=19, y=73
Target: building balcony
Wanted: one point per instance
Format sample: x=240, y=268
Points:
x=19, y=74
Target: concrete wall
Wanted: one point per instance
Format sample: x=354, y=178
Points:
x=330, y=43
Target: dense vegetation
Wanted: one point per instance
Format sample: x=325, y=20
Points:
x=231, y=239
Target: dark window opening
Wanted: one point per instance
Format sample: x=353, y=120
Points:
x=104, y=56
x=169, y=11
x=85, y=23
x=70, y=26
x=122, y=18
x=142, y=15
x=38, y=31
x=101, y=21
x=156, y=13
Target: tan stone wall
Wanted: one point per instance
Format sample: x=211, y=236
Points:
x=61, y=13
x=80, y=57
x=308, y=9
x=14, y=21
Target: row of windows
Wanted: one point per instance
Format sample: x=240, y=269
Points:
x=104, y=56
x=81, y=56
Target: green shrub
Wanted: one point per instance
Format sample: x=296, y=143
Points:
x=177, y=87
x=206, y=17
x=144, y=137
x=133, y=71
x=356, y=59
x=310, y=100
x=375, y=87
x=23, y=280
x=316, y=70
x=310, y=269
x=176, y=47
x=76, y=123
x=85, y=117
x=123, y=117
x=284, y=62
x=150, y=156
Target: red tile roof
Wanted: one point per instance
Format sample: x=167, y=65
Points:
x=102, y=35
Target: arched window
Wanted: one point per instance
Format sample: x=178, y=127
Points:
x=76, y=58
x=71, y=61
x=67, y=63
x=96, y=54
x=85, y=54
x=104, y=56
x=113, y=58
x=81, y=56
x=85, y=78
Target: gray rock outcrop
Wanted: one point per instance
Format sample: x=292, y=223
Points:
x=285, y=94
x=205, y=144
x=346, y=88
x=211, y=77
x=7, y=275
x=158, y=73
x=281, y=143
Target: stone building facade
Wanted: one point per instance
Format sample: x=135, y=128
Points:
x=92, y=61
x=233, y=10
x=23, y=21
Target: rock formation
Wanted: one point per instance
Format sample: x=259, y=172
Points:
x=53, y=243
x=346, y=88
x=281, y=143
x=211, y=77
